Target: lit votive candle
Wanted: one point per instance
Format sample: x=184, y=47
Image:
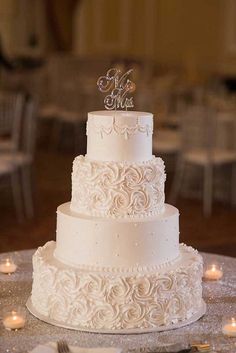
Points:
x=14, y=319
x=213, y=273
x=7, y=266
x=229, y=327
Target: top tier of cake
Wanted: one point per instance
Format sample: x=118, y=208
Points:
x=118, y=177
x=119, y=136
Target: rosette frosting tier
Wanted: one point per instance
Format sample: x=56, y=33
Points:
x=118, y=189
x=91, y=299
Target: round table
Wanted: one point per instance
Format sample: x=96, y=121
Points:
x=219, y=296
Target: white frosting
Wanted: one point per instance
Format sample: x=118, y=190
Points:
x=96, y=300
x=117, y=263
x=119, y=136
x=118, y=189
x=119, y=244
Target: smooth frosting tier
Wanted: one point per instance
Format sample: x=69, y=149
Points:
x=94, y=300
x=118, y=189
x=119, y=136
x=117, y=245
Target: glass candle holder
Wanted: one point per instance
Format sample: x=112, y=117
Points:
x=14, y=317
x=229, y=326
x=213, y=272
x=7, y=265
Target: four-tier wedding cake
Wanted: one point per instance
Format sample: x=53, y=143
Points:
x=117, y=265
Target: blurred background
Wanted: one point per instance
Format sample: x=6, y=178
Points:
x=183, y=53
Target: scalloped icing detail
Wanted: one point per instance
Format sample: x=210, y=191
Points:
x=119, y=129
x=118, y=189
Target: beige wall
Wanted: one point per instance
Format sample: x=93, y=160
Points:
x=189, y=30
x=121, y=27
x=18, y=19
x=192, y=34
x=8, y=12
x=182, y=33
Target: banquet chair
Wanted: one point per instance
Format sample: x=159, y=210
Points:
x=10, y=170
x=65, y=106
x=11, y=109
x=22, y=159
x=166, y=141
x=71, y=112
x=27, y=156
x=199, y=149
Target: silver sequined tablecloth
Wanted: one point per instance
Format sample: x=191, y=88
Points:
x=220, y=298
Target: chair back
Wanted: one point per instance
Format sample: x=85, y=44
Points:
x=11, y=109
x=29, y=134
x=72, y=83
x=226, y=133
x=198, y=129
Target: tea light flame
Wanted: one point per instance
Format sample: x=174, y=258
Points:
x=14, y=317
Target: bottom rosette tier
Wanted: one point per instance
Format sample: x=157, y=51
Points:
x=107, y=301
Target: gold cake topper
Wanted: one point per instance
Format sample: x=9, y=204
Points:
x=119, y=86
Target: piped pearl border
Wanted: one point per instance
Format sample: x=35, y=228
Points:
x=134, y=269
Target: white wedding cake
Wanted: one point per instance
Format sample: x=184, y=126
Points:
x=117, y=265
